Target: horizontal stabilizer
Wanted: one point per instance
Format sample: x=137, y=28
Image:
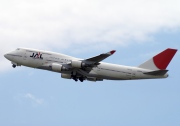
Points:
x=157, y=72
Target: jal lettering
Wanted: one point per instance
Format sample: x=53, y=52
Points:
x=37, y=55
x=41, y=56
x=32, y=55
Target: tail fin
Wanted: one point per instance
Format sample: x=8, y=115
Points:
x=160, y=61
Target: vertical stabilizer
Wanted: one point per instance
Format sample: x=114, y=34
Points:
x=160, y=61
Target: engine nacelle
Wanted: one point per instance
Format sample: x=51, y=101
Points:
x=58, y=67
x=66, y=76
x=77, y=64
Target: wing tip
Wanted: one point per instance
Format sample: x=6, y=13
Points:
x=112, y=52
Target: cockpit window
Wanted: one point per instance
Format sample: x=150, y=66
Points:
x=18, y=49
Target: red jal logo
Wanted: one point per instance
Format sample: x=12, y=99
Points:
x=37, y=55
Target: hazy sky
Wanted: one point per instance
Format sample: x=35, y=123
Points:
x=136, y=29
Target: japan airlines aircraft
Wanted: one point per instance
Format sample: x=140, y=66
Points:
x=91, y=69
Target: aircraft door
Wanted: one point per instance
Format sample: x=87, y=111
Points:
x=25, y=56
x=129, y=74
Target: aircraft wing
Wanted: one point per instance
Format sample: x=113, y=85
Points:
x=100, y=57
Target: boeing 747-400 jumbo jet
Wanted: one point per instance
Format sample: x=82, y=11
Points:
x=91, y=69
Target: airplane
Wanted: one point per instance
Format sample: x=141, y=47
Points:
x=91, y=69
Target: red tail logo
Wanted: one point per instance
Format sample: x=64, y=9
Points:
x=163, y=59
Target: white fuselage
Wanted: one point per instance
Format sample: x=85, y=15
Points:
x=31, y=58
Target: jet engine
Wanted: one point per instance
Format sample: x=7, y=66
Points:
x=78, y=64
x=66, y=76
x=58, y=67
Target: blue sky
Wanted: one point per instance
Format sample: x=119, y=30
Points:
x=36, y=97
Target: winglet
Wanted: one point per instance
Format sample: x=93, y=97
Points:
x=112, y=52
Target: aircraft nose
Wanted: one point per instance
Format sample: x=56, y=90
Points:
x=11, y=55
x=6, y=56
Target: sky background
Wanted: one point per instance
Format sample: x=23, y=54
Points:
x=83, y=28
